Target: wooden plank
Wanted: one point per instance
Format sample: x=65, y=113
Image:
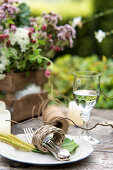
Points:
x=87, y=164
x=21, y=80
x=6, y=83
x=23, y=106
x=15, y=81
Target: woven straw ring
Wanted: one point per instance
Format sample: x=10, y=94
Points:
x=44, y=131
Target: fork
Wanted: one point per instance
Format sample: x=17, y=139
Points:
x=60, y=153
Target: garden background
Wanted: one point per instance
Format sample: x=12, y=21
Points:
x=87, y=53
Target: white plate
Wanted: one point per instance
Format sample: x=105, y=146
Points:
x=84, y=150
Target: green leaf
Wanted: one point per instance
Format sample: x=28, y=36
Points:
x=69, y=144
x=13, y=53
x=24, y=10
x=39, y=60
x=23, y=16
x=27, y=73
x=41, y=42
x=24, y=21
x=2, y=95
x=36, y=52
x=32, y=58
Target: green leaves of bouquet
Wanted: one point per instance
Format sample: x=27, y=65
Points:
x=28, y=43
x=22, y=18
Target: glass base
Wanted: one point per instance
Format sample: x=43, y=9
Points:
x=90, y=139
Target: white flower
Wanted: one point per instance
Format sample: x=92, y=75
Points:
x=100, y=35
x=2, y=76
x=21, y=38
x=4, y=61
x=2, y=67
x=77, y=22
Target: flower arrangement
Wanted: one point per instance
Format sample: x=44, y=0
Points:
x=27, y=43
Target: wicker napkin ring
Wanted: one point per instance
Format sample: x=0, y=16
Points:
x=44, y=131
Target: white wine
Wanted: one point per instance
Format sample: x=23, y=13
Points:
x=86, y=93
x=86, y=99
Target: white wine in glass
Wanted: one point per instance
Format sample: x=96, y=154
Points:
x=86, y=89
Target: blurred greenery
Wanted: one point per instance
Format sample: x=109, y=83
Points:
x=22, y=18
x=66, y=8
x=106, y=24
x=62, y=77
x=85, y=43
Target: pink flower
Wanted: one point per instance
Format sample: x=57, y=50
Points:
x=56, y=48
x=13, y=27
x=51, y=18
x=50, y=36
x=44, y=27
x=29, y=34
x=47, y=73
x=31, y=29
x=33, y=41
x=3, y=37
x=66, y=33
x=6, y=36
x=8, y=43
x=48, y=63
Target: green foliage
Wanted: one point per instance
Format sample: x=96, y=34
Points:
x=29, y=60
x=62, y=78
x=22, y=18
x=105, y=23
x=69, y=10
x=70, y=145
x=30, y=42
x=85, y=44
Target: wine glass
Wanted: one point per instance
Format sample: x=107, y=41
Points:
x=86, y=87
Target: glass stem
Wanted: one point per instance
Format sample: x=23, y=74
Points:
x=85, y=132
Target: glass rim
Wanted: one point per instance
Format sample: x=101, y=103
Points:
x=94, y=73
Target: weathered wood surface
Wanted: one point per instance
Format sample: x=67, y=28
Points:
x=15, y=81
x=101, y=158
x=21, y=107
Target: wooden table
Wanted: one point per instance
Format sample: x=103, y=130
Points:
x=101, y=158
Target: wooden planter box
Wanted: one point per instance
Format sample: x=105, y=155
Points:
x=22, y=107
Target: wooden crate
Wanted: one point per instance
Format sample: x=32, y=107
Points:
x=22, y=107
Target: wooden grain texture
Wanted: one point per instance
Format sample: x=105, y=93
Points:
x=101, y=158
x=15, y=81
x=23, y=106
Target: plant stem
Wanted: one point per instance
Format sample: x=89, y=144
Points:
x=22, y=142
x=18, y=143
x=48, y=61
x=15, y=144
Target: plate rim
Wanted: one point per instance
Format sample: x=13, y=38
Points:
x=52, y=163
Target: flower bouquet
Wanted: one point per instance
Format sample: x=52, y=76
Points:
x=28, y=44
